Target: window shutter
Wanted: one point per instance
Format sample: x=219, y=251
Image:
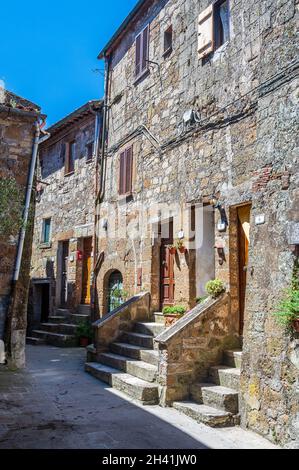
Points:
x=138, y=55
x=122, y=173
x=66, y=156
x=205, y=32
x=129, y=168
x=145, y=46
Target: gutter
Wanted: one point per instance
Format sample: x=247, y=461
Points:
x=100, y=186
x=20, y=248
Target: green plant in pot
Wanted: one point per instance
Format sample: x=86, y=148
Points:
x=179, y=245
x=287, y=310
x=84, y=333
x=215, y=288
x=173, y=313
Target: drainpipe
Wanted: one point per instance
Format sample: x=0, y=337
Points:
x=100, y=182
x=20, y=248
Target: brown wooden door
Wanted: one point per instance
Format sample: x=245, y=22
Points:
x=64, y=273
x=86, y=270
x=167, y=273
x=243, y=246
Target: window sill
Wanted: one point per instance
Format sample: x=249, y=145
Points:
x=141, y=77
x=45, y=246
x=89, y=160
x=69, y=174
x=125, y=197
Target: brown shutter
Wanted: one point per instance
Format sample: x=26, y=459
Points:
x=129, y=168
x=205, y=32
x=145, y=47
x=122, y=173
x=66, y=157
x=138, y=55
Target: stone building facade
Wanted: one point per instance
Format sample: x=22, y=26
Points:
x=201, y=147
x=62, y=257
x=19, y=124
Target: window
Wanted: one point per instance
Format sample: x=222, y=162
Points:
x=167, y=41
x=213, y=27
x=142, y=52
x=89, y=151
x=126, y=171
x=221, y=23
x=70, y=149
x=46, y=231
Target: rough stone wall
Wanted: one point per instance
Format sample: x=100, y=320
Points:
x=16, y=142
x=243, y=150
x=69, y=201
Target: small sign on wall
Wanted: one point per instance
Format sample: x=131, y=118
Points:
x=260, y=219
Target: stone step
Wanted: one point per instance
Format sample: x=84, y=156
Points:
x=64, y=328
x=56, y=339
x=226, y=376
x=216, y=396
x=91, y=353
x=232, y=358
x=204, y=414
x=64, y=312
x=84, y=309
x=138, y=339
x=145, y=392
x=149, y=328
x=138, y=368
x=78, y=318
x=159, y=317
x=149, y=356
x=56, y=319
x=35, y=341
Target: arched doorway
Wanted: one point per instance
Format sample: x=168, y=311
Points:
x=115, y=282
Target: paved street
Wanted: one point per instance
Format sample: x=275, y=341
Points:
x=54, y=404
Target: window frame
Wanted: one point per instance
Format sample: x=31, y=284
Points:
x=68, y=154
x=143, y=71
x=89, y=145
x=125, y=177
x=217, y=22
x=167, y=51
x=43, y=240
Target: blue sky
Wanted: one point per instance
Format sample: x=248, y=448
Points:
x=48, y=51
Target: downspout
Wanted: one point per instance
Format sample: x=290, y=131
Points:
x=22, y=234
x=100, y=186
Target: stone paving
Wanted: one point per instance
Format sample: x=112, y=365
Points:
x=54, y=404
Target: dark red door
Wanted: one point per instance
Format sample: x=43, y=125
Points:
x=167, y=274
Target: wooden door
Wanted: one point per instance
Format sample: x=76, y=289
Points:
x=166, y=270
x=64, y=273
x=86, y=270
x=243, y=246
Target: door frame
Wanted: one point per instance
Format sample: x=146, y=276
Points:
x=234, y=268
x=170, y=239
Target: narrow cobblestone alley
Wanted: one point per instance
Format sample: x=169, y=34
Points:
x=54, y=404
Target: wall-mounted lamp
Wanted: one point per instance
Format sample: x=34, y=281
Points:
x=223, y=223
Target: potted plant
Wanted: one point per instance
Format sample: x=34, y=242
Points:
x=287, y=310
x=215, y=288
x=172, y=314
x=179, y=244
x=84, y=333
x=172, y=249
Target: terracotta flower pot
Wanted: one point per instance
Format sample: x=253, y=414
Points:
x=171, y=318
x=182, y=249
x=172, y=250
x=84, y=342
x=296, y=325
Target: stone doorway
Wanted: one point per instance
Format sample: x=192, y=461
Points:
x=167, y=282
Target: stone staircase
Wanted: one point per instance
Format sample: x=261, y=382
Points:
x=131, y=364
x=60, y=330
x=216, y=403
